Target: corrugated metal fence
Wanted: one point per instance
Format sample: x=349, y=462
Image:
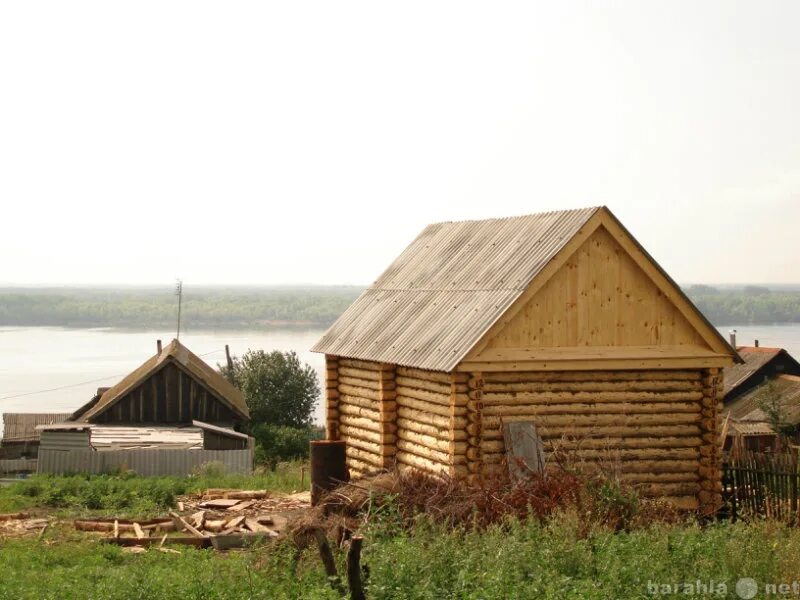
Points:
x=19, y=465
x=143, y=462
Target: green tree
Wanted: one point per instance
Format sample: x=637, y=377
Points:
x=278, y=388
x=769, y=400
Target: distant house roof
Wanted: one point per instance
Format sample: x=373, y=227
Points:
x=446, y=290
x=120, y=437
x=746, y=407
x=21, y=427
x=755, y=359
x=750, y=428
x=180, y=355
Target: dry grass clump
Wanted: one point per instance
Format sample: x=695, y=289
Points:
x=597, y=499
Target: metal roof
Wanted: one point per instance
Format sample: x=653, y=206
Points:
x=748, y=428
x=441, y=295
x=754, y=359
x=21, y=427
x=193, y=364
x=787, y=387
x=114, y=437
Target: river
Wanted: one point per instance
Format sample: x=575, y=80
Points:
x=52, y=369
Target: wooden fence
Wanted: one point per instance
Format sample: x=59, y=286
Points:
x=762, y=486
x=143, y=462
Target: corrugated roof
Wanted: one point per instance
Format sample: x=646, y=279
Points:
x=746, y=406
x=193, y=364
x=439, y=297
x=21, y=427
x=747, y=428
x=125, y=438
x=226, y=431
x=754, y=359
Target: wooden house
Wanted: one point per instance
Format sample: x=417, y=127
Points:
x=561, y=319
x=20, y=436
x=759, y=364
x=167, y=417
x=174, y=386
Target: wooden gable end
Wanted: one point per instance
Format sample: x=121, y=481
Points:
x=604, y=304
x=169, y=395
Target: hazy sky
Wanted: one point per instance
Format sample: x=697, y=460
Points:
x=285, y=142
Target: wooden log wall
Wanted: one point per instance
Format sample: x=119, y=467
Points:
x=361, y=407
x=331, y=397
x=655, y=428
x=432, y=412
x=710, y=469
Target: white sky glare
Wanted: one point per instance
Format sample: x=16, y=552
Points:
x=287, y=142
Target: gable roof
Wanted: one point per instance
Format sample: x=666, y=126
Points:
x=185, y=359
x=754, y=359
x=745, y=407
x=450, y=286
x=21, y=427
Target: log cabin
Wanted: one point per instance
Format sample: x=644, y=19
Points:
x=561, y=319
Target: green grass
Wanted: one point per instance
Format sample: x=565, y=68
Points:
x=519, y=560
x=131, y=495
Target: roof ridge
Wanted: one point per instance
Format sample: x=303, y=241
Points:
x=522, y=216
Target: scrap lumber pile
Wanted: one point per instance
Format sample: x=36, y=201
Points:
x=220, y=518
x=21, y=525
x=246, y=502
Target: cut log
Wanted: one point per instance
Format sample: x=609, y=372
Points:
x=138, y=531
x=424, y=395
x=347, y=391
x=348, y=408
x=14, y=516
x=599, y=420
x=620, y=408
x=594, y=386
x=430, y=430
x=248, y=494
x=426, y=375
x=430, y=407
x=590, y=376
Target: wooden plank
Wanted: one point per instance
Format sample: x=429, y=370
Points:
x=138, y=531
x=186, y=525
x=524, y=449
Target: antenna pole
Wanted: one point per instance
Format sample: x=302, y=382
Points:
x=179, y=293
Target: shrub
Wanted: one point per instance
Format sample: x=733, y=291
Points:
x=275, y=443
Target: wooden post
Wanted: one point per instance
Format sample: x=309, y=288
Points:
x=354, y=569
x=328, y=561
x=228, y=359
x=328, y=467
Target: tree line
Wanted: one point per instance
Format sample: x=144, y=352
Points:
x=202, y=308
x=749, y=305
x=256, y=307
